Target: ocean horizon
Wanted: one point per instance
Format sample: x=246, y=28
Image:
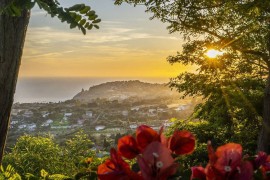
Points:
x=55, y=89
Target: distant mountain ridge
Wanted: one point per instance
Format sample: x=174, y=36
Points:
x=121, y=90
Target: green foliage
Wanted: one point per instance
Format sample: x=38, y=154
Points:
x=88, y=168
x=78, y=147
x=232, y=84
x=32, y=154
x=218, y=134
x=41, y=158
x=9, y=173
x=44, y=175
x=79, y=15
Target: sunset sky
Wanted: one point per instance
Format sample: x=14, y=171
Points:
x=127, y=44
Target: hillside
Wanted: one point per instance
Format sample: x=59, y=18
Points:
x=122, y=90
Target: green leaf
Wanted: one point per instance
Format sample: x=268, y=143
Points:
x=85, y=10
x=96, y=26
x=86, y=25
x=97, y=21
x=44, y=173
x=82, y=22
x=83, y=30
x=76, y=7
x=73, y=25
x=43, y=5
x=90, y=27
x=73, y=14
x=91, y=13
x=91, y=17
x=78, y=18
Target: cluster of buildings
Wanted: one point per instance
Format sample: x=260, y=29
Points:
x=54, y=117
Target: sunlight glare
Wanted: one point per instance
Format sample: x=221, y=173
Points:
x=212, y=53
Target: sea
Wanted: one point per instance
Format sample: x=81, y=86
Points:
x=58, y=89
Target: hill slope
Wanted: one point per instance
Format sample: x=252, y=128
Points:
x=121, y=90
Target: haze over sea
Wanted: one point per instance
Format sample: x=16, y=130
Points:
x=55, y=89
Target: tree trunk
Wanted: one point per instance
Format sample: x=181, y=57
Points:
x=264, y=138
x=12, y=36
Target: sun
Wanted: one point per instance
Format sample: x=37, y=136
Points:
x=212, y=53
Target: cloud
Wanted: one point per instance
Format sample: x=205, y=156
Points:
x=108, y=43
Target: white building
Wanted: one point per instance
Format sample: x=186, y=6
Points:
x=22, y=126
x=135, y=108
x=152, y=111
x=182, y=107
x=47, y=123
x=100, y=127
x=80, y=121
x=89, y=113
x=14, y=122
x=45, y=114
x=66, y=115
x=133, y=126
x=28, y=113
x=31, y=127
x=125, y=113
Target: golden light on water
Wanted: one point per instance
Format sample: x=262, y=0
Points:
x=212, y=53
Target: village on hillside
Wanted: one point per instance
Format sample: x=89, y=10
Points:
x=101, y=117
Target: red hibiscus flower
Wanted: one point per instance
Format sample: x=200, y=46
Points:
x=156, y=162
x=182, y=142
x=226, y=163
x=116, y=168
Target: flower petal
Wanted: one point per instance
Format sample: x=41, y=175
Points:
x=113, y=168
x=198, y=172
x=182, y=142
x=156, y=162
x=108, y=170
x=260, y=160
x=229, y=155
x=127, y=147
x=211, y=153
x=145, y=135
x=245, y=172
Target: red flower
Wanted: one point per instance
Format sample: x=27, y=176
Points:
x=229, y=157
x=182, y=142
x=226, y=163
x=145, y=135
x=244, y=172
x=156, y=162
x=116, y=168
x=262, y=161
x=127, y=147
x=198, y=172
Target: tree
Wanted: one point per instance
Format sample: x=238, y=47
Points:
x=240, y=31
x=14, y=18
x=32, y=154
x=79, y=147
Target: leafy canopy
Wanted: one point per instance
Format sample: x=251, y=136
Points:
x=233, y=82
x=79, y=15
